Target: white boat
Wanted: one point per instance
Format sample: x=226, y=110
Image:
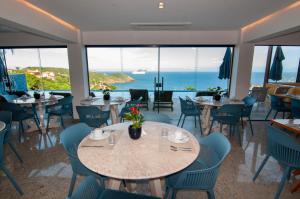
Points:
x=139, y=72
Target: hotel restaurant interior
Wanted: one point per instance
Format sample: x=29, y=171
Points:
x=148, y=99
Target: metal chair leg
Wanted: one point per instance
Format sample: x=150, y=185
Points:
x=62, y=121
x=282, y=182
x=15, y=151
x=211, y=125
x=195, y=121
x=48, y=121
x=250, y=124
x=201, y=131
x=268, y=114
x=260, y=167
x=210, y=194
x=275, y=115
x=179, y=119
x=72, y=184
x=183, y=121
x=11, y=179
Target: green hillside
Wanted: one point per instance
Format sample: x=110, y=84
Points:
x=53, y=78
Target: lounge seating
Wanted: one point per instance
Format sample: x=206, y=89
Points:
x=259, y=93
x=291, y=91
x=90, y=189
x=286, y=150
x=163, y=99
x=203, y=173
x=141, y=94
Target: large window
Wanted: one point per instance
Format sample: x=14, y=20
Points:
x=261, y=62
x=44, y=68
x=183, y=68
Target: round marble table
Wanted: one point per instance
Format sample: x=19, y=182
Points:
x=148, y=158
x=208, y=104
x=112, y=104
x=32, y=100
x=2, y=125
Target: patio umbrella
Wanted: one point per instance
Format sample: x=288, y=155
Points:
x=276, y=68
x=224, y=72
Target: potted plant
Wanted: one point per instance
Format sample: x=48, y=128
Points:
x=135, y=116
x=217, y=91
x=106, y=94
x=36, y=95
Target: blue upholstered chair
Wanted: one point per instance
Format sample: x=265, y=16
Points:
x=2, y=165
x=127, y=106
x=61, y=108
x=249, y=101
x=92, y=116
x=295, y=108
x=286, y=150
x=188, y=108
x=90, y=189
x=202, y=174
x=6, y=117
x=278, y=106
x=71, y=138
x=20, y=114
x=228, y=114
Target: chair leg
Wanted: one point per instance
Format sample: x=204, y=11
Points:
x=11, y=179
x=195, y=121
x=239, y=134
x=174, y=194
x=15, y=151
x=211, y=125
x=201, y=131
x=242, y=122
x=73, y=180
x=62, y=121
x=21, y=130
x=260, y=167
x=268, y=114
x=210, y=194
x=37, y=125
x=183, y=121
x=275, y=115
x=48, y=121
x=221, y=127
x=179, y=119
x=282, y=182
x=250, y=124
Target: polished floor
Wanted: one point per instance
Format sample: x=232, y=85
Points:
x=46, y=172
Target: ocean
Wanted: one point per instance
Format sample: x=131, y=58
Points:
x=180, y=81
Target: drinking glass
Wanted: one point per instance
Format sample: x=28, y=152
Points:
x=111, y=139
x=164, y=132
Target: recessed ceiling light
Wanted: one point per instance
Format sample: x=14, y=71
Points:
x=161, y=5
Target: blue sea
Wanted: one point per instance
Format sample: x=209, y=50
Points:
x=180, y=81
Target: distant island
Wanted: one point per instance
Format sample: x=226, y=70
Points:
x=52, y=78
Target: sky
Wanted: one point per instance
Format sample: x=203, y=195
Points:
x=171, y=59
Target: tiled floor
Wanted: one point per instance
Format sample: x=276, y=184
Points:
x=46, y=171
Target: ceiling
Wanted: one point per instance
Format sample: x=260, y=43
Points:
x=4, y=29
x=93, y=15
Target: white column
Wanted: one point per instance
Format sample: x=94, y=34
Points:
x=78, y=73
x=241, y=70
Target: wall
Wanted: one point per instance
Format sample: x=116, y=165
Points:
x=160, y=37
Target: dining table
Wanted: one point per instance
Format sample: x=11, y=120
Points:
x=155, y=155
x=209, y=103
x=112, y=105
x=292, y=126
x=37, y=105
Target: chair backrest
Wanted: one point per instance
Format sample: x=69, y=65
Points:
x=71, y=138
x=283, y=147
x=249, y=101
x=205, y=93
x=276, y=102
x=205, y=178
x=6, y=117
x=295, y=108
x=282, y=89
x=92, y=115
x=132, y=103
x=232, y=109
x=163, y=96
x=260, y=93
x=8, y=98
x=136, y=94
x=186, y=105
x=89, y=188
x=14, y=108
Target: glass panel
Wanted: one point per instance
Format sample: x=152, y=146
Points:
x=259, y=65
x=45, y=68
x=289, y=64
